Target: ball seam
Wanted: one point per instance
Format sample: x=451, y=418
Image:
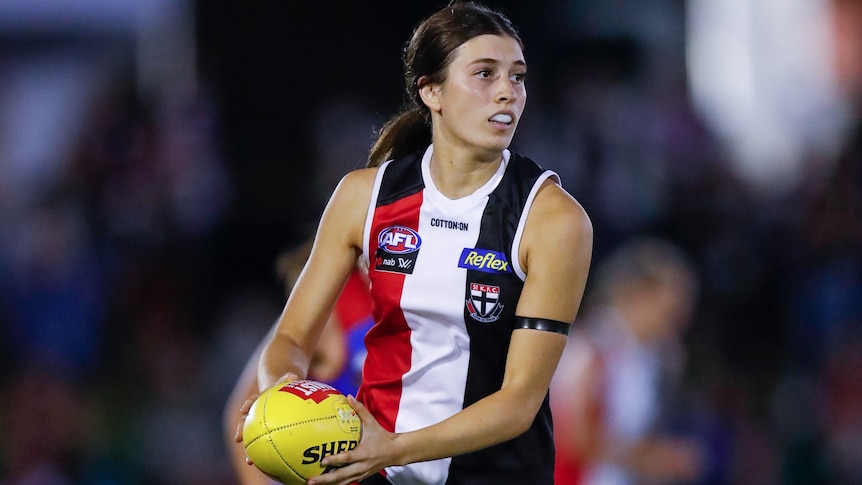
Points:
x=272, y=444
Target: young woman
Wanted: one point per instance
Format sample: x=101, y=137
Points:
x=477, y=260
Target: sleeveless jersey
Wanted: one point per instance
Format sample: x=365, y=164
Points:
x=445, y=281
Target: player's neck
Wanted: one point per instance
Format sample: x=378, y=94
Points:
x=459, y=173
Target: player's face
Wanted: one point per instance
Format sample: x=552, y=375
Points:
x=484, y=95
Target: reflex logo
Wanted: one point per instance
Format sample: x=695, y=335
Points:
x=484, y=260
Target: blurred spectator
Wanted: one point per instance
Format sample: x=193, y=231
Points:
x=827, y=303
x=608, y=395
x=843, y=411
x=43, y=421
x=52, y=291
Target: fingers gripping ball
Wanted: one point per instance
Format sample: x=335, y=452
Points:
x=291, y=427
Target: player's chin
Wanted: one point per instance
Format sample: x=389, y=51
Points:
x=498, y=142
x=503, y=132
x=489, y=144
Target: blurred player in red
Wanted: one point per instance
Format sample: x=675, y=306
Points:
x=337, y=361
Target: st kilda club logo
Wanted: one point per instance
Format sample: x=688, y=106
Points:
x=484, y=302
x=397, y=249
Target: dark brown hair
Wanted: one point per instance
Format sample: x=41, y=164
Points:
x=426, y=57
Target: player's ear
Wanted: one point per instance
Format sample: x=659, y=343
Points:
x=429, y=93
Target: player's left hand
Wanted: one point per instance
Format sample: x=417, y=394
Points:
x=375, y=451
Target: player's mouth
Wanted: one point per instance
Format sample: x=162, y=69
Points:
x=503, y=119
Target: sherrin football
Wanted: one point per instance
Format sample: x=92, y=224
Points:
x=291, y=427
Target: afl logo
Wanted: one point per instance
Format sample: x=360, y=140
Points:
x=399, y=240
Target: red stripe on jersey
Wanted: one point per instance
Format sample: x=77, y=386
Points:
x=388, y=341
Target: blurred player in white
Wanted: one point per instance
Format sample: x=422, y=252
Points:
x=606, y=394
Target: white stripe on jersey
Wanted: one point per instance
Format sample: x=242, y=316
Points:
x=433, y=300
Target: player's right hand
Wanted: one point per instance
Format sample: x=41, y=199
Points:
x=246, y=406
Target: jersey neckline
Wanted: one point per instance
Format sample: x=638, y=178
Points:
x=462, y=203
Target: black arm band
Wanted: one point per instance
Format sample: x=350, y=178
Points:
x=542, y=324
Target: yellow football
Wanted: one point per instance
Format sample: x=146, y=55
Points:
x=291, y=427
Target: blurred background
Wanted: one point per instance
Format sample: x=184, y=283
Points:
x=156, y=156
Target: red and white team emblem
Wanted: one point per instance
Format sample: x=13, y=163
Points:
x=484, y=302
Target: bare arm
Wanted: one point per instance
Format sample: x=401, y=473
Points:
x=556, y=250
x=245, y=388
x=336, y=247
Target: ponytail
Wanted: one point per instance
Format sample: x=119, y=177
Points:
x=407, y=132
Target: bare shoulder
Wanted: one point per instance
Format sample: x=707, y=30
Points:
x=353, y=192
x=362, y=175
x=357, y=183
x=557, y=227
x=347, y=208
x=557, y=217
x=555, y=252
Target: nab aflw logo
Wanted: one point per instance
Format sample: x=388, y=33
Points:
x=397, y=248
